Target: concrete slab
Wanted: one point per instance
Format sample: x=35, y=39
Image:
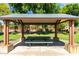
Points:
x=39, y=51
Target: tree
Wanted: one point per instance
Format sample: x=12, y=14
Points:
x=36, y=7
x=72, y=9
x=4, y=9
x=51, y=8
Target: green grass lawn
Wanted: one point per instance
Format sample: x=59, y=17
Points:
x=12, y=36
x=63, y=37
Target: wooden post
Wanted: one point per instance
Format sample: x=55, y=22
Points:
x=22, y=31
x=71, y=34
x=55, y=30
x=71, y=47
x=56, y=38
x=6, y=33
x=7, y=47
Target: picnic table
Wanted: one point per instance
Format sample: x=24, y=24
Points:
x=38, y=40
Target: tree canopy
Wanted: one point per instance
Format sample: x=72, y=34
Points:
x=4, y=9
x=35, y=7
x=72, y=9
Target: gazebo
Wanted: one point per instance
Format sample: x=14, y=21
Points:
x=54, y=19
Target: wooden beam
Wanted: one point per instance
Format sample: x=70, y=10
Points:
x=9, y=20
x=58, y=21
x=63, y=21
x=39, y=23
x=16, y=21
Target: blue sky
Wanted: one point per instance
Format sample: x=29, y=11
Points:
x=62, y=4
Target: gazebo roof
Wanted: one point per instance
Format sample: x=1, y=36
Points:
x=38, y=18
